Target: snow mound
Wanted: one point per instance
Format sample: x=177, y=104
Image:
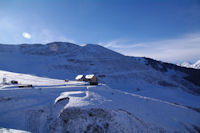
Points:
x=98, y=120
x=6, y=130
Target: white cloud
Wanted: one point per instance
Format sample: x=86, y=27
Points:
x=26, y=35
x=185, y=48
x=120, y=43
x=13, y=31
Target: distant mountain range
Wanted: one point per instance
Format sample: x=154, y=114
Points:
x=196, y=65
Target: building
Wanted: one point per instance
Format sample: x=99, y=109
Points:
x=92, y=79
x=80, y=78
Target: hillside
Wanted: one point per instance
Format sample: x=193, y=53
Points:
x=56, y=106
x=143, y=76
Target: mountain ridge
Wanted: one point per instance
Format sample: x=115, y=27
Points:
x=139, y=75
x=144, y=93
x=72, y=50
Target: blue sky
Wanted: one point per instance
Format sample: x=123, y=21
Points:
x=167, y=30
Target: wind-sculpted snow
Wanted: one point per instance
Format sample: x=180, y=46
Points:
x=98, y=120
x=5, y=130
x=57, y=106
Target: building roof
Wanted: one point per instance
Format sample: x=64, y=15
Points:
x=79, y=77
x=89, y=76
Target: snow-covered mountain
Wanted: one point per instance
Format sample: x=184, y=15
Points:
x=143, y=76
x=56, y=106
x=139, y=77
x=196, y=65
x=186, y=64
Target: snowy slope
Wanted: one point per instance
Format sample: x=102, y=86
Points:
x=7, y=130
x=142, y=76
x=56, y=106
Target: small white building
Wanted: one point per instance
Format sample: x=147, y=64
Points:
x=92, y=79
x=80, y=78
